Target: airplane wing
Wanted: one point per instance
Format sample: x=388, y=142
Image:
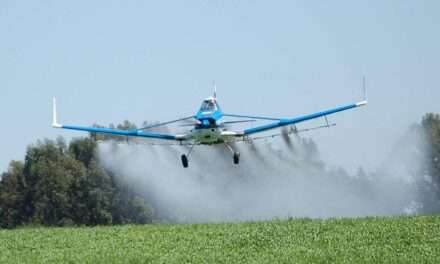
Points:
x=132, y=132
x=291, y=121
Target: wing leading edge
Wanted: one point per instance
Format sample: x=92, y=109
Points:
x=130, y=133
x=287, y=122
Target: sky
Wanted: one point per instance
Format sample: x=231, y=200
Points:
x=107, y=61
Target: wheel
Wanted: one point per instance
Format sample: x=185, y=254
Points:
x=184, y=161
x=236, y=158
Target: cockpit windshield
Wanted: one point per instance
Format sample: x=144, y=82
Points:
x=208, y=106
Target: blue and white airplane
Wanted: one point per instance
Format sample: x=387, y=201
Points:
x=208, y=127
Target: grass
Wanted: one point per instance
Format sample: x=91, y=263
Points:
x=368, y=240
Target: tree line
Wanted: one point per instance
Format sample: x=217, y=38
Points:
x=59, y=184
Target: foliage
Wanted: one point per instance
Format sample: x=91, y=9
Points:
x=64, y=185
x=371, y=240
x=431, y=125
x=11, y=195
x=126, y=125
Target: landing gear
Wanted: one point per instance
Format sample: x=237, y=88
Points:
x=184, y=161
x=184, y=157
x=236, y=157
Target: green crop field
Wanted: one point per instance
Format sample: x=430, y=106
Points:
x=369, y=240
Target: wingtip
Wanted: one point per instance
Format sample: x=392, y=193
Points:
x=55, y=123
x=362, y=103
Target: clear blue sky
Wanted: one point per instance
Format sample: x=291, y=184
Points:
x=155, y=60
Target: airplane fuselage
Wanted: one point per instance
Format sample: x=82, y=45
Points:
x=207, y=136
x=208, y=130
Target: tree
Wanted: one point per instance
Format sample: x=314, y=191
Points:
x=431, y=126
x=83, y=150
x=91, y=196
x=64, y=185
x=11, y=199
x=129, y=207
x=49, y=172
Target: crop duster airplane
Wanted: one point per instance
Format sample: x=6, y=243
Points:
x=208, y=127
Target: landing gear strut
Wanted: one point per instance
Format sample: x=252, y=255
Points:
x=185, y=161
x=184, y=157
x=236, y=155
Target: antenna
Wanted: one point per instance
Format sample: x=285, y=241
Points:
x=215, y=89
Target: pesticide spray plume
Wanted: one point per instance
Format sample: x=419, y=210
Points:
x=285, y=131
x=273, y=180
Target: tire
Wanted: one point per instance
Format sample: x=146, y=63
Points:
x=236, y=158
x=184, y=161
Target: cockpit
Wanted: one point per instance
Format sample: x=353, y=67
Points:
x=208, y=105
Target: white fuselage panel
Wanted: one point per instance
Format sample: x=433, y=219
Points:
x=207, y=135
